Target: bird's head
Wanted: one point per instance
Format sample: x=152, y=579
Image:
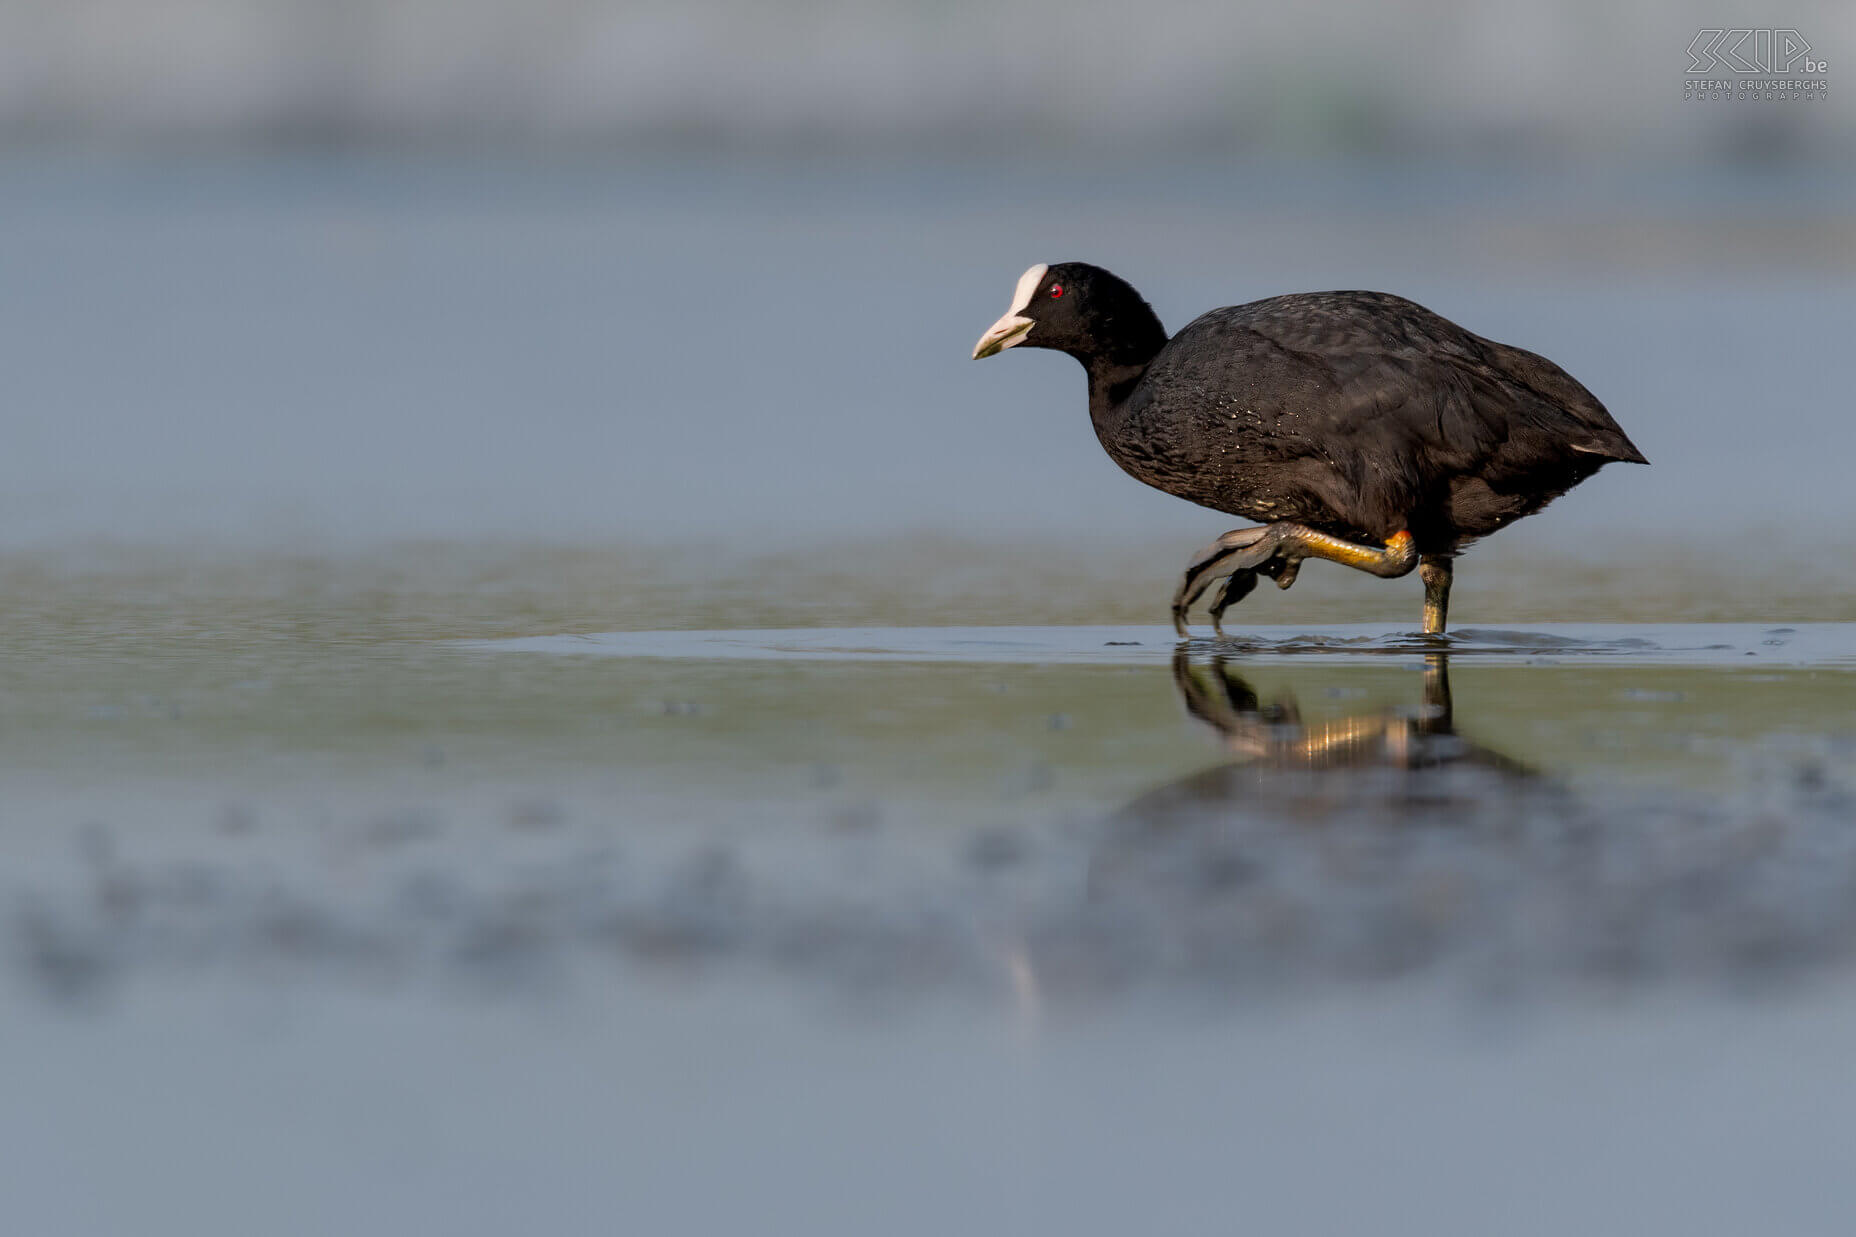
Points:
x=1079, y=309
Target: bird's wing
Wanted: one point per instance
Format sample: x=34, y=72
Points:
x=1390, y=378
x=1327, y=375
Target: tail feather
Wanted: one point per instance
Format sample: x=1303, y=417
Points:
x=1612, y=446
x=1596, y=433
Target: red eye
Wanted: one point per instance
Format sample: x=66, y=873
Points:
x=1056, y=290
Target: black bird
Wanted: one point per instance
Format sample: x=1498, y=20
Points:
x=1357, y=426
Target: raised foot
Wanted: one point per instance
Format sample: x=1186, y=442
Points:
x=1236, y=556
x=1277, y=551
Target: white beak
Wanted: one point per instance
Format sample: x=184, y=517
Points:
x=1014, y=326
x=1002, y=335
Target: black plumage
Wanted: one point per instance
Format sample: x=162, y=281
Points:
x=1358, y=415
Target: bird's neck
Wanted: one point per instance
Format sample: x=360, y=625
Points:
x=1125, y=342
x=1110, y=384
x=1116, y=370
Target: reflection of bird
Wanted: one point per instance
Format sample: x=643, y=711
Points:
x=1369, y=844
x=1313, y=812
x=1391, y=738
x=1358, y=426
x=1389, y=763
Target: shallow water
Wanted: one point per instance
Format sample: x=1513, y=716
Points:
x=193, y=751
x=1691, y=644
x=391, y=867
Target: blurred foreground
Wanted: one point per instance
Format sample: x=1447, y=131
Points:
x=301, y=861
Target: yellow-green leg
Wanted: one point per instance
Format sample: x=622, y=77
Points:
x=1436, y=574
x=1277, y=551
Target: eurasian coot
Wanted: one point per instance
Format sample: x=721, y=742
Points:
x=1357, y=426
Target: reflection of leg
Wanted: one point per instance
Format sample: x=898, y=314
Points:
x=1436, y=574
x=1227, y=704
x=1438, y=716
x=1277, y=551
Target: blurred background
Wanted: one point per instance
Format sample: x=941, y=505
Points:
x=328, y=271
x=1342, y=77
